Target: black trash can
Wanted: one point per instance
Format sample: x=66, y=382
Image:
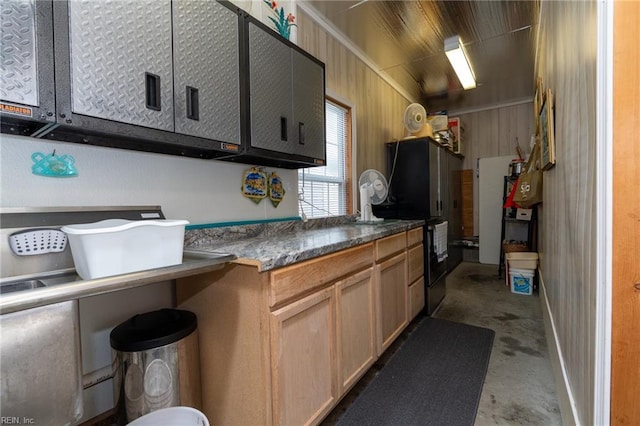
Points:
x=156, y=363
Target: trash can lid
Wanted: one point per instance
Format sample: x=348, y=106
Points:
x=152, y=330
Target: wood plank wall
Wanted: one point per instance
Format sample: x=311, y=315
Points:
x=566, y=61
x=378, y=106
x=493, y=133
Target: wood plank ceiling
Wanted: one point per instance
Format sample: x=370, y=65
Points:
x=406, y=40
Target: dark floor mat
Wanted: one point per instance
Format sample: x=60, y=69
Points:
x=435, y=378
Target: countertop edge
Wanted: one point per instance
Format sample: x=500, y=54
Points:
x=28, y=299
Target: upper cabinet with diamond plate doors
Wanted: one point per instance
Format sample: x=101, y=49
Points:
x=286, y=101
x=153, y=75
x=120, y=61
x=199, y=78
x=27, y=101
x=206, y=76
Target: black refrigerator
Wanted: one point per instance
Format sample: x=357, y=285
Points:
x=425, y=184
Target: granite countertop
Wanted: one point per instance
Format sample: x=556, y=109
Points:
x=274, y=245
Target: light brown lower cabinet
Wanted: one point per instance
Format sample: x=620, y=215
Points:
x=416, y=298
x=355, y=325
x=303, y=359
x=415, y=258
x=391, y=279
x=282, y=347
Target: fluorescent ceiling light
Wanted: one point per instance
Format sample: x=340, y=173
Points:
x=460, y=62
x=358, y=4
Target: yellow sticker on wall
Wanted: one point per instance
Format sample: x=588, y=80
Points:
x=276, y=189
x=254, y=184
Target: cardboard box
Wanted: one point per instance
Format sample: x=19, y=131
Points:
x=509, y=247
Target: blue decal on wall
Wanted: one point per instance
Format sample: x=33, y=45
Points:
x=53, y=165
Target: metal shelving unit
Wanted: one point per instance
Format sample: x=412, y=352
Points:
x=510, y=223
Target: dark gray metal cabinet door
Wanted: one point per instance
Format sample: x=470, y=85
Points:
x=121, y=61
x=26, y=58
x=270, y=92
x=308, y=106
x=206, y=70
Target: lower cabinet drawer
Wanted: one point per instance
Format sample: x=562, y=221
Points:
x=388, y=246
x=414, y=236
x=291, y=282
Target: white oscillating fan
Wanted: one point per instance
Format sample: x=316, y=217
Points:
x=415, y=120
x=373, y=190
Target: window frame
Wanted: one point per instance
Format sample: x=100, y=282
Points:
x=347, y=181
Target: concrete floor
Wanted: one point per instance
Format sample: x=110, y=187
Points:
x=519, y=388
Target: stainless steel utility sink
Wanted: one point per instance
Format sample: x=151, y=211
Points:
x=20, y=285
x=41, y=364
x=31, y=282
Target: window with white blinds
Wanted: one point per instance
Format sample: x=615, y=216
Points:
x=324, y=189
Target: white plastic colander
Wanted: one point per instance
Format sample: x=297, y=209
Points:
x=37, y=241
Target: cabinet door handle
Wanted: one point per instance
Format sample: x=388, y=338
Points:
x=301, y=133
x=152, y=91
x=193, y=106
x=283, y=128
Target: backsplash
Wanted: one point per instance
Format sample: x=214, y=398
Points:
x=205, y=236
x=200, y=191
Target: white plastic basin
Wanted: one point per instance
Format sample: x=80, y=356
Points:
x=119, y=246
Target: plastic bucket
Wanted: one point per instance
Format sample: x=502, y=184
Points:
x=173, y=416
x=522, y=260
x=521, y=280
